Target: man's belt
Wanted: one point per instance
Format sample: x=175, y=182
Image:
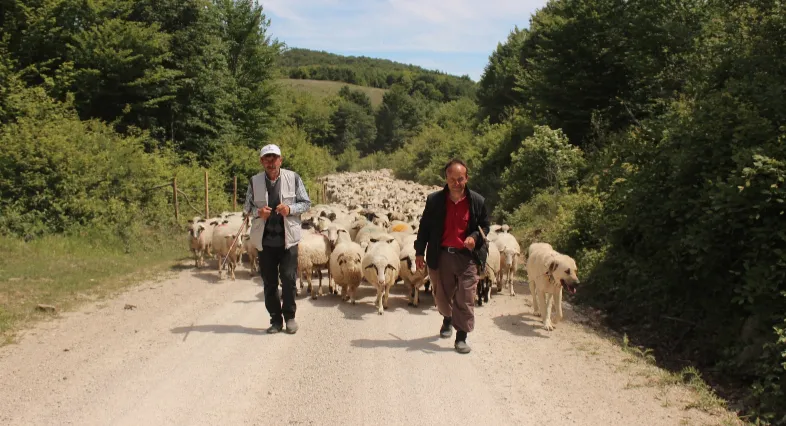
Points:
x=454, y=250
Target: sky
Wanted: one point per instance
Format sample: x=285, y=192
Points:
x=453, y=36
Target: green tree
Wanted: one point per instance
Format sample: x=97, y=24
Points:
x=399, y=117
x=496, y=92
x=544, y=161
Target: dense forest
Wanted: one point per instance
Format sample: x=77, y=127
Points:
x=646, y=139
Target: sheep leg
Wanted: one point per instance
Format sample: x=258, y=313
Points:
x=512, y=272
x=417, y=296
x=558, y=305
x=385, y=298
x=378, y=302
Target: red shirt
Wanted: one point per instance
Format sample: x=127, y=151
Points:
x=456, y=222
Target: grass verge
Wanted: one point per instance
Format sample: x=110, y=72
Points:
x=68, y=270
x=642, y=366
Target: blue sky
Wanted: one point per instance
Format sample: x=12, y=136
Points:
x=454, y=36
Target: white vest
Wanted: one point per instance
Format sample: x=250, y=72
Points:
x=288, y=197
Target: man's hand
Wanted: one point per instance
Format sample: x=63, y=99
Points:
x=264, y=212
x=420, y=262
x=469, y=243
x=283, y=210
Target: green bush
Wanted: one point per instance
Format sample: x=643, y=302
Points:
x=544, y=160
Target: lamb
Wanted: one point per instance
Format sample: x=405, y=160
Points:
x=490, y=276
x=200, y=240
x=548, y=272
x=414, y=278
x=313, y=252
x=380, y=268
x=510, y=251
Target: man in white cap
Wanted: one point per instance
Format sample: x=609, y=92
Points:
x=275, y=200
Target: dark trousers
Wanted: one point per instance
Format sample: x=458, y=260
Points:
x=275, y=262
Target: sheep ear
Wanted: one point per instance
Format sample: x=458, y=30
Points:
x=332, y=216
x=190, y=221
x=552, y=266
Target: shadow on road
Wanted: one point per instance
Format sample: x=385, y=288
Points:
x=520, y=325
x=424, y=344
x=210, y=277
x=218, y=329
x=182, y=266
x=260, y=298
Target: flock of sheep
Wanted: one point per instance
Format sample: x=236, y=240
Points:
x=364, y=236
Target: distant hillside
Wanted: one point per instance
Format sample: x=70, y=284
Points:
x=321, y=88
x=308, y=64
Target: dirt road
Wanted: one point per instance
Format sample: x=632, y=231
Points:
x=193, y=351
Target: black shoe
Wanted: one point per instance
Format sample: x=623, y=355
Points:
x=275, y=328
x=446, y=331
x=292, y=326
x=462, y=347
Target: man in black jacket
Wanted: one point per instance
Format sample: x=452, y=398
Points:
x=456, y=250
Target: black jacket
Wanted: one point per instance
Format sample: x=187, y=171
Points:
x=433, y=220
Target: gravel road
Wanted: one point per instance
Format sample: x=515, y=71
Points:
x=193, y=351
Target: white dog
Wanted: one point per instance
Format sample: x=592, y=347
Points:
x=548, y=272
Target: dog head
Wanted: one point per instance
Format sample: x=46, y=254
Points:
x=563, y=270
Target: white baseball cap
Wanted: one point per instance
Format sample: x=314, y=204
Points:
x=270, y=149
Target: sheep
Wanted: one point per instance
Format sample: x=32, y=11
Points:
x=400, y=226
x=345, y=263
x=200, y=240
x=253, y=254
x=313, y=252
x=356, y=226
x=226, y=246
x=381, y=220
x=548, y=272
x=396, y=216
x=490, y=276
x=414, y=278
x=381, y=266
x=510, y=251
x=364, y=235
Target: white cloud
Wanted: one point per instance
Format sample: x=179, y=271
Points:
x=403, y=25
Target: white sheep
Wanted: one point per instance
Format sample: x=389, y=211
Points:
x=226, y=246
x=313, y=253
x=380, y=268
x=200, y=240
x=510, y=252
x=346, y=266
x=413, y=277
